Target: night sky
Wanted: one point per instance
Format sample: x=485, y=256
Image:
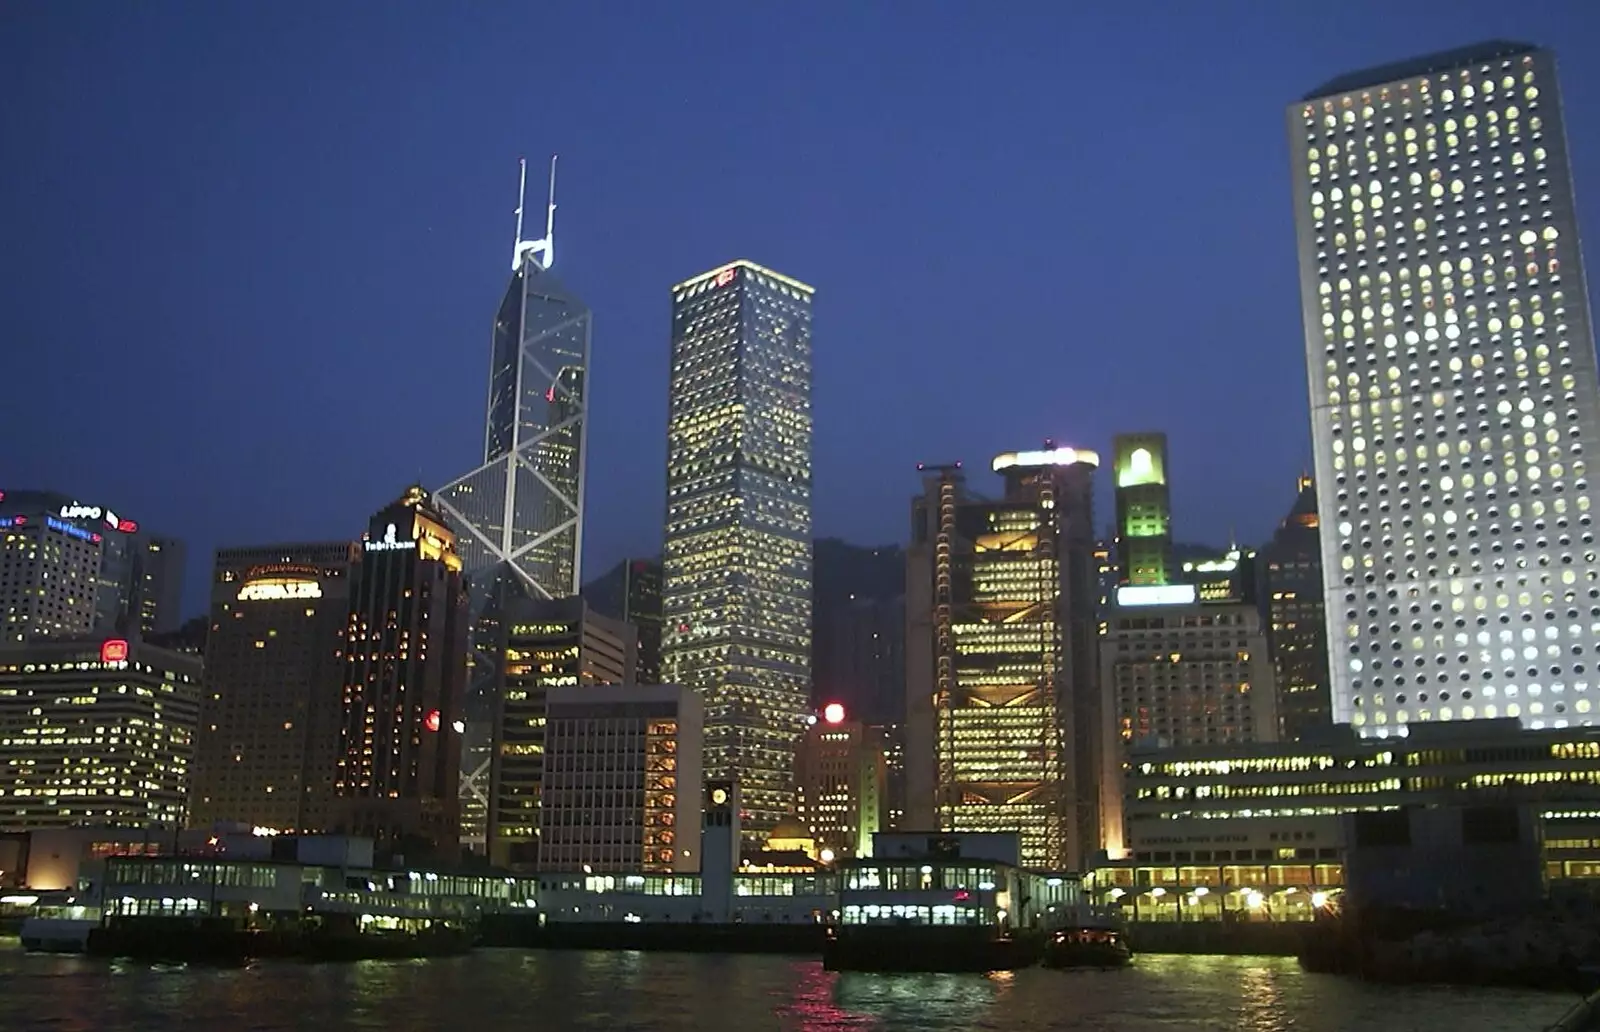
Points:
x=252, y=251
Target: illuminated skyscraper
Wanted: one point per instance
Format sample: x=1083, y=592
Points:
x=520, y=513
x=1454, y=404
x=405, y=666
x=1144, y=509
x=736, y=593
x=95, y=732
x=271, y=711
x=548, y=643
x=1003, y=724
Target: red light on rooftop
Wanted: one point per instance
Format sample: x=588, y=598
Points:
x=833, y=713
x=431, y=721
x=114, y=650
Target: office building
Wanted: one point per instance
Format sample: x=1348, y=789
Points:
x=272, y=708
x=1144, y=509
x=1184, y=657
x=1297, y=633
x=66, y=569
x=547, y=643
x=1107, y=573
x=631, y=592
x=95, y=732
x=157, y=575
x=843, y=784
x=736, y=574
x=1002, y=714
x=1227, y=576
x=519, y=513
x=622, y=779
x=1451, y=362
x=398, y=771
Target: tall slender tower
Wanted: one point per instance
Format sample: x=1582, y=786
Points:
x=736, y=594
x=1451, y=366
x=1144, y=509
x=520, y=513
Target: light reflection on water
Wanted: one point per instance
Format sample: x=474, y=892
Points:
x=633, y=992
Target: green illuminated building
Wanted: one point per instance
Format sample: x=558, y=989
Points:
x=1144, y=509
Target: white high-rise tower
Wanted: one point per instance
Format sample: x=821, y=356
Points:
x=1454, y=402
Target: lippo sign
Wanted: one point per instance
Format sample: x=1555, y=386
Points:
x=79, y=511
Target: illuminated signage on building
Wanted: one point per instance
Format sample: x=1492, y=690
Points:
x=70, y=530
x=726, y=276
x=389, y=542
x=1131, y=595
x=78, y=511
x=279, y=588
x=432, y=720
x=1054, y=457
x=114, y=650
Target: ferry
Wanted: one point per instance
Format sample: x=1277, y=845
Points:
x=1087, y=946
x=60, y=923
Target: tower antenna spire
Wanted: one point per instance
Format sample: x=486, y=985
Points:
x=522, y=194
x=543, y=250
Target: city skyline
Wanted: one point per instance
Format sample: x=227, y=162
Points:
x=466, y=207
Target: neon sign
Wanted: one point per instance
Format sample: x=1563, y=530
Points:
x=726, y=276
x=70, y=530
x=279, y=588
x=389, y=542
x=114, y=650
x=1156, y=595
x=79, y=511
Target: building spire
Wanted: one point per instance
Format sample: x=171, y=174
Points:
x=544, y=249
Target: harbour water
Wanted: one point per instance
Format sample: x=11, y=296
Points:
x=634, y=992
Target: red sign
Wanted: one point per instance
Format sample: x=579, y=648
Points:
x=127, y=526
x=431, y=721
x=725, y=277
x=114, y=650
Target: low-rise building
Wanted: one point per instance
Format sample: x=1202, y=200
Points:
x=622, y=767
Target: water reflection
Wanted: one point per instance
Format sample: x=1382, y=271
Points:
x=633, y=992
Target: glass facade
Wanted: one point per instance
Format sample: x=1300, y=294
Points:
x=519, y=515
x=1452, y=376
x=1014, y=713
x=736, y=593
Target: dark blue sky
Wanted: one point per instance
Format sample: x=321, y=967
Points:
x=252, y=251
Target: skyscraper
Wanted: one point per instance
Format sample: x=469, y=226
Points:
x=1297, y=631
x=95, y=732
x=843, y=782
x=271, y=711
x=1002, y=729
x=157, y=573
x=548, y=643
x=736, y=592
x=1451, y=364
x=1144, y=509
x=397, y=775
x=520, y=513
x=66, y=568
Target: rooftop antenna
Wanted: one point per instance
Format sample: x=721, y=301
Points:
x=543, y=250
